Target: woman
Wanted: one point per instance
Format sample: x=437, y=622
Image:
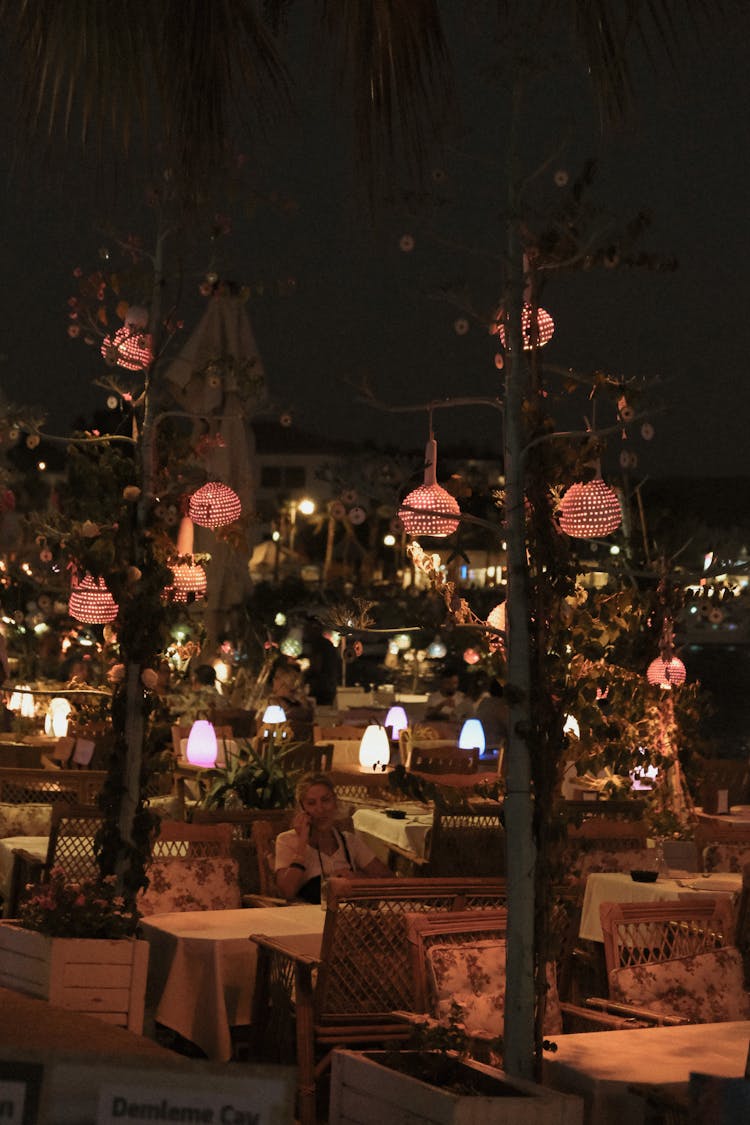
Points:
x=316, y=848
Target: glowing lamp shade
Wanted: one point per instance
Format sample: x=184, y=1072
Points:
x=589, y=510
x=471, y=656
x=214, y=505
x=130, y=347
x=534, y=335
x=472, y=736
x=22, y=701
x=273, y=715
x=56, y=719
x=436, y=650
x=189, y=581
x=437, y=508
x=396, y=719
x=202, y=747
x=666, y=673
x=571, y=726
x=374, y=749
x=91, y=602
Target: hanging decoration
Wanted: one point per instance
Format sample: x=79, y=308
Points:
x=496, y=619
x=590, y=509
x=214, y=505
x=131, y=346
x=188, y=582
x=438, y=509
x=666, y=673
x=545, y=327
x=91, y=602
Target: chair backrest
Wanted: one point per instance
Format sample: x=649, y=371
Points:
x=432, y=935
x=243, y=845
x=362, y=788
x=605, y=834
x=73, y=830
x=190, y=882
x=467, y=842
x=365, y=963
x=178, y=839
x=264, y=833
x=639, y=933
x=307, y=757
x=425, y=758
x=344, y=731
x=19, y=787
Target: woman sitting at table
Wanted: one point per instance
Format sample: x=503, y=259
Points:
x=315, y=847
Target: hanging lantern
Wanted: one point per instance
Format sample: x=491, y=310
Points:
x=666, y=673
x=496, y=619
x=437, y=507
x=545, y=327
x=91, y=602
x=188, y=579
x=214, y=505
x=56, y=719
x=22, y=701
x=471, y=656
x=130, y=347
x=436, y=650
x=396, y=719
x=472, y=736
x=202, y=747
x=374, y=749
x=589, y=510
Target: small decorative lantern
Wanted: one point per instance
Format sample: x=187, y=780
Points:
x=589, y=510
x=189, y=579
x=130, y=347
x=666, y=673
x=56, y=719
x=273, y=715
x=545, y=327
x=91, y=602
x=202, y=747
x=472, y=736
x=22, y=701
x=214, y=505
x=374, y=749
x=396, y=719
x=437, y=507
x=436, y=650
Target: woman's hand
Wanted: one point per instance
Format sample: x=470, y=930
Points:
x=301, y=825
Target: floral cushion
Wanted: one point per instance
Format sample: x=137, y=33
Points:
x=725, y=857
x=206, y=883
x=703, y=987
x=472, y=976
x=25, y=820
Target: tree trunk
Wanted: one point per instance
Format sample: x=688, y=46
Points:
x=519, y=1037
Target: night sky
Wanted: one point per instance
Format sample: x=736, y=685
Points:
x=361, y=305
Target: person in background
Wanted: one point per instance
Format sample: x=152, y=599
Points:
x=204, y=698
x=492, y=712
x=286, y=691
x=321, y=678
x=315, y=848
x=448, y=702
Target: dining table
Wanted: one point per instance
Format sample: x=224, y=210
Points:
x=614, y=1070
x=202, y=967
x=406, y=828
x=616, y=886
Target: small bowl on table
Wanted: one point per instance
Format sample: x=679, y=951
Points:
x=639, y=875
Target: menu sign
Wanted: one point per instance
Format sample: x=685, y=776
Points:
x=20, y=1088
x=190, y=1101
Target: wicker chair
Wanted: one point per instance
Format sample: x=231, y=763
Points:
x=70, y=847
x=467, y=842
x=307, y=757
x=244, y=849
x=671, y=961
x=721, y=846
x=191, y=868
x=363, y=788
x=424, y=758
x=348, y=994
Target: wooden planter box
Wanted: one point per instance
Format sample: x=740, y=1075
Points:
x=365, y=1092
x=103, y=978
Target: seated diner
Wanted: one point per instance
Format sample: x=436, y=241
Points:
x=315, y=848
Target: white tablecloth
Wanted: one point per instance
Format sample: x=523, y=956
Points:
x=618, y=887
x=739, y=816
x=410, y=833
x=601, y=1067
x=36, y=845
x=202, y=967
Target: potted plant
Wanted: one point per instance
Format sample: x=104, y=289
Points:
x=74, y=945
x=252, y=779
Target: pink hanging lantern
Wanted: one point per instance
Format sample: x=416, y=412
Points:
x=666, y=673
x=589, y=510
x=130, y=347
x=438, y=507
x=91, y=602
x=214, y=505
x=189, y=580
x=545, y=327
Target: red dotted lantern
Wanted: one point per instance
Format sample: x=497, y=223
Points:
x=91, y=602
x=189, y=580
x=666, y=673
x=214, y=505
x=438, y=508
x=590, y=510
x=545, y=327
x=130, y=347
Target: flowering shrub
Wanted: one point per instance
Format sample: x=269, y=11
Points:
x=92, y=909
